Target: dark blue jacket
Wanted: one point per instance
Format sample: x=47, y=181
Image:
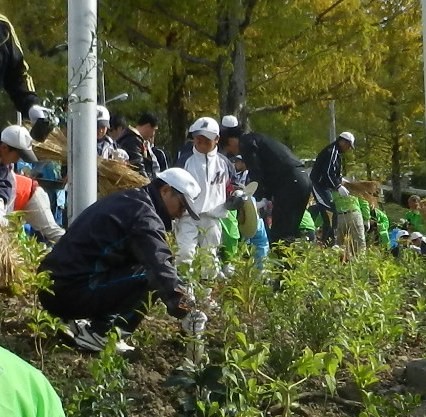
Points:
x=327, y=168
x=123, y=229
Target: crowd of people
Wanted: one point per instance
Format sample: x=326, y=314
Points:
x=225, y=187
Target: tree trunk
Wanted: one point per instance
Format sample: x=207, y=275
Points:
x=176, y=113
x=236, y=100
x=231, y=65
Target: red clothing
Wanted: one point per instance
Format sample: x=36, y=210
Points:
x=25, y=187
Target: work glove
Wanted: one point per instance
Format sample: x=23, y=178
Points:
x=38, y=112
x=262, y=203
x=180, y=302
x=343, y=191
x=236, y=200
x=119, y=155
x=43, y=122
x=367, y=225
x=194, y=322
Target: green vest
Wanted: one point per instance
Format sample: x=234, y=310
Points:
x=24, y=390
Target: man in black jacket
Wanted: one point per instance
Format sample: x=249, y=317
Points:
x=115, y=254
x=326, y=176
x=280, y=175
x=136, y=142
x=17, y=82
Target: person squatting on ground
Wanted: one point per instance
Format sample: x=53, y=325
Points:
x=418, y=243
x=326, y=176
x=25, y=391
x=213, y=172
x=281, y=178
x=115, y=256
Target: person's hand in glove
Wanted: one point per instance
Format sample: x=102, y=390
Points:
x=366, y=225
x=43, y=122
x=38, y=112
x=343, y=191
x=262, y=203
x=194, y=322
x=236, y=200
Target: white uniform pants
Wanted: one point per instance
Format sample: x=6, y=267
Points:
x=39, y=215
x=190, y=233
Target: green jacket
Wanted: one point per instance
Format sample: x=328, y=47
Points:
x=307, y=223
x=382, y=222
x=24, y=390
x=351, y=203
x=415, y=219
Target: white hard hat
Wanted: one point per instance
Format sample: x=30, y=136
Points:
x=182, y=181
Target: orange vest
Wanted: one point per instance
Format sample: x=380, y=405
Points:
x=25, y=187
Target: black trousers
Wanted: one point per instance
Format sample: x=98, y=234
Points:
x=324, y=204
x=289, y=204
x=114, y=298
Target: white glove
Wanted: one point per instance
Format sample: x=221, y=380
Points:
x=38, y=112
x=343, y=191
x=194, y=322
x=261, y=204
x=119, y=155
x=366, y=225
x=3, y=220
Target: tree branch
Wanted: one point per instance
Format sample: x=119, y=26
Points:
x=250, y=5
x=165, y=10
x=285, y=107
x=143, y=88
x=136, y=36
x=319, y=19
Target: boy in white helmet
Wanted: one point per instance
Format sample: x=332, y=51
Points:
x=213, y=172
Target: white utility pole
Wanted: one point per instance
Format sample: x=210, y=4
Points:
x=82, y=94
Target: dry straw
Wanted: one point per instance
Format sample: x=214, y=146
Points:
x=368, y=190
x=112, y=175
x=11, y=263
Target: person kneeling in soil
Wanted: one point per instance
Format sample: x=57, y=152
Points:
x=114, y=257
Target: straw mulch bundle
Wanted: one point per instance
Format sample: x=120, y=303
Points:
x=116, y=175
x=112, y=175
x=54, y=148
x=368, y=190
x=11, y=263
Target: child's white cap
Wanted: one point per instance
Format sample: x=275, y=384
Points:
x=205, y=126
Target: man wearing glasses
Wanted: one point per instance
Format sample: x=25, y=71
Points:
x=115, y=256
